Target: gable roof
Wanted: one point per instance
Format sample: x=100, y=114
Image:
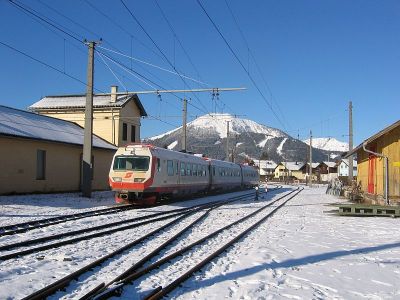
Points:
x=79, y=102
x=292, y=165
x=373, y=138
x=330, y=164
x=20, y=123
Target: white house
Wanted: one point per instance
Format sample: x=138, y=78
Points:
x=343, y=168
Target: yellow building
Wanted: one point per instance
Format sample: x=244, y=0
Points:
x=44, y=154
x=371, y=167
x=289, y=170
x=116, y=118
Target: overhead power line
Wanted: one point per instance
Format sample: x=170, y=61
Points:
x=241, y=64
x=159, y=49
x=255, y=61
x=46, y=64
x=154, y=66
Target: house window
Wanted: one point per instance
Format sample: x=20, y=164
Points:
x=124, y=131
x=41, y=165
x=133, y=133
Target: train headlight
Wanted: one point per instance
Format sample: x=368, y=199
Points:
x=117, y=179
x=138, y=180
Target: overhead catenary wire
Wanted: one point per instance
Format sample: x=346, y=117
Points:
x=256, y=63
x=159, y=49
x=154, y=66
x=241, y=64
x=46, y=64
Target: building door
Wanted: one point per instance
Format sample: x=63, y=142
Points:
x=371, y=171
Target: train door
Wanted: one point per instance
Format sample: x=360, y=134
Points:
x=177, y=172
x=371, y=171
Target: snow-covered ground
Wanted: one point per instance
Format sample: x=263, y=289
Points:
x=302, y=252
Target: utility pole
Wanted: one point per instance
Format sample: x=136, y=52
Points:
x=310, y=182
x=350, y=142
x=227, y=140
x=184, y=125
x=87, y=167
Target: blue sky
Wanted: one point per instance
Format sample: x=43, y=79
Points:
x=315, y=56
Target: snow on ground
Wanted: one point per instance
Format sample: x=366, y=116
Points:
x=328, y=144
x=172, y=145
x=279, y=149
x=302, y=252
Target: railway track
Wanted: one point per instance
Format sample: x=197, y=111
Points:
x=124, y=277
x=65, y=281
x=26, y=226
x=116, y=286
x=100, y=230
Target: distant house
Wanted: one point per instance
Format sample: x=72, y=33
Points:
x=289, y=170
x=266, y=167
x=116, y=118
x=371, y=163
x=44, y=154
x=326, y=171
x=343, y=168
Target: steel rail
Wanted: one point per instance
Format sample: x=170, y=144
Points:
x=173, y=285
x=63, y=282
x=94, y=228
x=30, y=225
x=117, y=287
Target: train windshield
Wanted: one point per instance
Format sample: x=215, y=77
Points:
x=133, y=163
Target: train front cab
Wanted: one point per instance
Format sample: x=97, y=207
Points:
x=132, y=173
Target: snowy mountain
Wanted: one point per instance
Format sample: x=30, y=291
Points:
x=328, y=144
x=247, y=139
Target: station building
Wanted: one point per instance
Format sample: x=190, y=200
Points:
x=43, y=154
x=116, y=117
x=371, y=168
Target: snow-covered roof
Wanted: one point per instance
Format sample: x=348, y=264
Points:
x=330, y=164
x=20, y=123
x=292, y=165
x=79, y=101
x=265, y=164
x=346, y=162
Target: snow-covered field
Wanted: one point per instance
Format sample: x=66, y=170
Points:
x=302, y=252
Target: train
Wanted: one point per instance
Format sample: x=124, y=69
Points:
x=146, y=174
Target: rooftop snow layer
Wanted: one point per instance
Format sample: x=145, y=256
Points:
x=77, y=101
x=21, y=123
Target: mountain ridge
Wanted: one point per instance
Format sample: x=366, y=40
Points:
x=207, y=134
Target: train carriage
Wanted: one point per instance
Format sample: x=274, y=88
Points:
x=144, y=173
x=224, y=175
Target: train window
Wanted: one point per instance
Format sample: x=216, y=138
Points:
x=170, y=168
x=135, y=163
x=183, y=169
x=158, y=165
x=189, y=169
x=177, y=167
x=194, y=170
x=213, y=169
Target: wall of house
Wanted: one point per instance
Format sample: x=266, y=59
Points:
x=105, y=121
x=388, y=145
x=130, y=115
x=18, y=160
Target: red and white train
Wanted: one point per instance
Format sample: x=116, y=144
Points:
x=144, y=174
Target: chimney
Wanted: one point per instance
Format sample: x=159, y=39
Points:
x=114, y=91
